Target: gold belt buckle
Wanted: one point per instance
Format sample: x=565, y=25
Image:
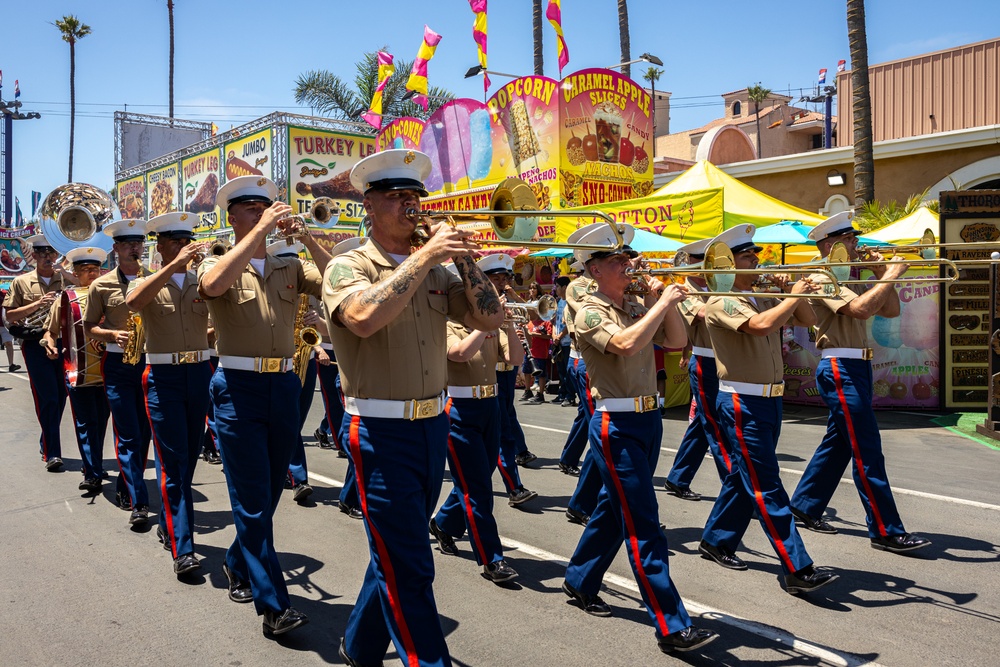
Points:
x=422, y=409
x=487, y=391
x=269, y=364
x=190, y=357
x=645, y=403
x=776, y=390
x=867, y=354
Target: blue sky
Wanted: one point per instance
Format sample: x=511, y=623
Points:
x=236, y=61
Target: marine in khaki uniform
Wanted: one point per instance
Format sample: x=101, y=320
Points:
x=844, y=379
x=388, y=305
x=615, y=334
x=31, y=296
x=86, y=392
x=175, y=381
x=253, y=299
x=746, y=338
x=106, y=321
x=703, y=433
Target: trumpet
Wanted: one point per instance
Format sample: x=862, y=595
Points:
x=291, y=228
x=325, y=211
x=216, y=248
x=518, y=312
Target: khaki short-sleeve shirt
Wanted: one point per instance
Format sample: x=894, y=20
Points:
x=834, y=329
x=177, y=318
x=482, y=368
x=407, y=359
x=613, y=375
x=29, y=288
x=106, y=301
x=575, y=291
x=697, y=332
x=743, y=357
x=255, y=317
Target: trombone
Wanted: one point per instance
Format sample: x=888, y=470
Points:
x=839, y=258
x=718, y=270
x=513, y=215
x=926, y=248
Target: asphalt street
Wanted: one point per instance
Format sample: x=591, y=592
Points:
x=78, y=586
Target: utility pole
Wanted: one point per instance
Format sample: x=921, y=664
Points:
x=11, y=111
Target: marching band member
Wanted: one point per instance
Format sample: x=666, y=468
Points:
x=562, y=343
x=87, y=402
x=388, y=310
x=615, y=334
x=844, y=380
x=253, y=299
x=746, y=339
x=32, y=293
x=106, y=320
x=703, y=433
x=498, y=268
x=175, y=381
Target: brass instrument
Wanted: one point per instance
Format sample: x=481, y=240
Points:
x=306, y=338
x=136, y=340
x=839, y=262
x=718, y=271
x=291, y=228
x=325, y=211
x=74, y=215
x=38, y=318
x=216, y=248
x=518, y=312
x=81, y=356
x=513, y=215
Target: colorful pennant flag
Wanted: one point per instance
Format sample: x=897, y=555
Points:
x=17, y=89
x=554, y=14
x=822, y=75
x=215, y=129
x=385, y=70
x=418, y=75
x=841, y=65
x=36, y=201
x=479, y=35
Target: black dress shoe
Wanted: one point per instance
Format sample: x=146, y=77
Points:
x=239, y=590
x=353, y=512
x=815, y=525
x=212, y=457
x=899, y=544
x=566, y=469
x=91, y=484
x=186, y=563
x=323, y=439
x=521, y=495
x=722, y=556
x=162, y=536
x=278, y=624
x=301, y=491
x=688, y=639
x=446, y=543
x=348, y=660
x=575, y=516
x=808, y=580
x=683, y=494
x=341, y=454
x=499, y=572
x=139, y=516
x=524, y=458
x=123, y=501
x=592, y=604
x=54, y=464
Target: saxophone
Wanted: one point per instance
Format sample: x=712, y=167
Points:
x=136, y=340
x=306, y=338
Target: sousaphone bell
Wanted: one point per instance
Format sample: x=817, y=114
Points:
x=74, y=215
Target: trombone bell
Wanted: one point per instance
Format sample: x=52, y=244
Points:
x=510, y=196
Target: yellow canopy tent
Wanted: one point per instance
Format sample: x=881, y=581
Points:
x=909, y=229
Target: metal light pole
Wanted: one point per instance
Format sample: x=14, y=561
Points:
x=11, y=112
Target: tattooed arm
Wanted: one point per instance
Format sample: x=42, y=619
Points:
x=485, y=310
x=371, y=309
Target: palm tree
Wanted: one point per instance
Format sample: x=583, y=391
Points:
x=72, y=30
x=757, y=94
x=536, y=35
x=170, y=15
x=861, y=104
x=653, y=75
x=330, y=95
x=623, y=37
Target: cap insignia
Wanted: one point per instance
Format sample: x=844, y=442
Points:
x=410, y=157
x=184, y=216
x=261, y=182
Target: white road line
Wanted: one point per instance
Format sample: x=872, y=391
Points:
x=19, y=376
x=843, y=480
x=759, y=629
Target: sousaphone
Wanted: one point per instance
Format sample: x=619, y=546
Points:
x=74, y=215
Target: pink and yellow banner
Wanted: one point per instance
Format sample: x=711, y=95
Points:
x=554, y=14
x=418, y=74
x=385, y=70
x=479, y=36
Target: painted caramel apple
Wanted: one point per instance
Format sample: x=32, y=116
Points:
x=590, y=147
x=897, y=390
x=921, y=391
x=626, y=151
x=881, y=388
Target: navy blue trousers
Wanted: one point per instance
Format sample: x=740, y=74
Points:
x=333, y=402
x=123, y=386
x=298, y=472
x=751, y=425
x=400, y=468
x=851, y=435
x=627, y=446
x=90, y=417
x=473, y=446
x=511, y=434
x=703, y=433
x=209, y=443
x=48, y=389
x=257, y=417
x=176, y=402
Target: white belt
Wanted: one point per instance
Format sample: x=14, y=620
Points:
x=326, y=346
x=190, y=357
x=377, y=407
x=256, y=364
x=703, y=351
x=114, y=347
x=478, y=391
x=575, y=354
x=753, y=389
x=503, y=368
x=637, y=404
x=848, y=352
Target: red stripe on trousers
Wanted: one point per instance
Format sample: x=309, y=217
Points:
x=758, y=496
x=469, y=514
x=163, y=472
x=633, y=540
x=392, y=590
x=708, y=415
x=326, y=402
x=855, y=449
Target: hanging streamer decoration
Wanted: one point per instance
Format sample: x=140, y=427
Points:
x=385, y=70
x=479, y=35
x=554, y=14
x=417, y=82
